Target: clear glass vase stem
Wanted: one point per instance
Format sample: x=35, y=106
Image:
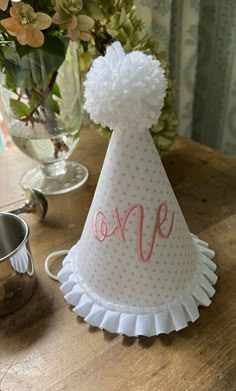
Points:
x=56, y=178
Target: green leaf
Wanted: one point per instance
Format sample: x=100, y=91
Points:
x=11, y=54
x=23, y=50
x=105, y=132
x=170, y=134
x=164, y=142
x=55, y=46
x=85, y=23
x=128, y=28
x=157, y=128
x=122, y=17
x=91, y=8
x=11, y=72
x=113, y=33
x=34, y=100
x=19, y=109
x=56, y=90
x=115, y=19
x=54, y=105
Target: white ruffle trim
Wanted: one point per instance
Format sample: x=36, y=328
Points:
x=174, y=315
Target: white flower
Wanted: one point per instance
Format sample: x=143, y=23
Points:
x=125, y=91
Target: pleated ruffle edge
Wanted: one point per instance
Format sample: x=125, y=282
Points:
x=174, y=315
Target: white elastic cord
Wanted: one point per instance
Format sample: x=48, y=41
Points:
x=49, y=257
x=32, y=265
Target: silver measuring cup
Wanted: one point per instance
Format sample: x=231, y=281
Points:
x=17, y=276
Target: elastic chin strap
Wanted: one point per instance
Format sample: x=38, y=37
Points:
x=49, y=258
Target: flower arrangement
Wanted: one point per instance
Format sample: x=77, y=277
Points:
x=26, y=22
x=49, y=25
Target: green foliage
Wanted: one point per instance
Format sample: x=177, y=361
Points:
x=56, y=46
x=31, y=73
x=19, y=109
x=56, y=90
x=119, y=22
x=54, y=105
x=23, y=50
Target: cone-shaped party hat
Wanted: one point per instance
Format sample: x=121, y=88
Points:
x=136, y=270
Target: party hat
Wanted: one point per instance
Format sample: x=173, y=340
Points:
x=136, y=270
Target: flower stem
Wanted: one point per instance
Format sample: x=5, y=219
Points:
x=44, y=96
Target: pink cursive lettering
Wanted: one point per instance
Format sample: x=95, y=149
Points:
x=101, y=230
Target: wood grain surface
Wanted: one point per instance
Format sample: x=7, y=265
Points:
x=45, y=347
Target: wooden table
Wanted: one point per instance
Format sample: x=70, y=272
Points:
x=44, y=346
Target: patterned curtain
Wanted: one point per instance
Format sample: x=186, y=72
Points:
x=199, y=37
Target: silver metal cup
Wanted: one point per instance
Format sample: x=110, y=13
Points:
x=17, y=277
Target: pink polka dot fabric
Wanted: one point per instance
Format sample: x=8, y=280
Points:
x=110, y=270
x=133, y=174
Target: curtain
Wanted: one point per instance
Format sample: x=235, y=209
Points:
x=199, y=37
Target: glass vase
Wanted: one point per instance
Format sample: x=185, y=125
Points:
x=42, y=107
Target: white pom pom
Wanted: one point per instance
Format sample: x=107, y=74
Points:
x=125, y=91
